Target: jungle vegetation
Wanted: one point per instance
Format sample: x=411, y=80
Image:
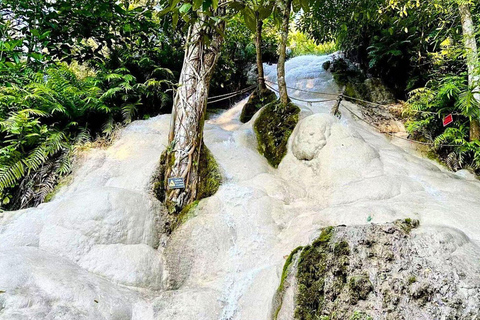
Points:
x=73, y=71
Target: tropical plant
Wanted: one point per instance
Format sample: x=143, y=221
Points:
x=300, y=44
x=42, y=122
x=428, y=106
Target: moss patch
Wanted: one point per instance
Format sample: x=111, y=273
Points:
x=255, y=103
x=351, y=78
x=407, y=225
x=281, y=288
x=358, y=86
x=209, y=173
x=187, y=213
x=209, y=181
x=273, y=127
x=323, y=258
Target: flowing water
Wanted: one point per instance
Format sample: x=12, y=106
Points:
x=94, y=251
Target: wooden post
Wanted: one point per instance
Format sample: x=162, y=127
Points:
x=337, y=104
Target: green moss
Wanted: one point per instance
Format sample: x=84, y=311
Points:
x=359, y=288
x=187, y=213
x=323, y=259
x=286, y=265
x=407, y=225
x=281, y=287
x=255, y=103
x=326, y=65
x=273, y=127
x=412, y=280
x=209, y=173
x=345, y=75
x=209, y=181
x=158, y=186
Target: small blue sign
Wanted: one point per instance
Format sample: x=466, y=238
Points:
x=176, y=183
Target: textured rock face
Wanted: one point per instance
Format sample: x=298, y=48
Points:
x=311, y=136
x=379, y=93
x=389, y=271
x=65, y=259
x=40, y=285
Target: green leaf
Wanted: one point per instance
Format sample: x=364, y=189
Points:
x=207, y=4
x=249, y=17
x=185, y=7
x=175, y=20
x=265, y=11
x=197, y=4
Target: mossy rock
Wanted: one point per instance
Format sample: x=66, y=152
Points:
x=255, y=103
x=358, y=86
x=320, y=261
x=210, y=179
x=210, y=175
x=273, y=127
x=187, y=213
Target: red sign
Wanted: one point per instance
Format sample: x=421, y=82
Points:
x=447, y=120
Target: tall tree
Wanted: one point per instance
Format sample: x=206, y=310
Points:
x=471, y=54
x=203, y=44
x=284, y=10
x=254, y=13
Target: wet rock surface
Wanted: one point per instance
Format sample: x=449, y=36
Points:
x=387, y=271
x=100, y=239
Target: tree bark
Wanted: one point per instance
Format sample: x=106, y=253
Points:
x=282, y=85
x=472, y=62
x=188, y=115
x=258, y=45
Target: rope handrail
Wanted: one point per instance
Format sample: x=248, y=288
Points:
x=233, y=93
x=395, y=136
x=303, y=90
x=357, y=99
x=302, y=100
x=337, y=97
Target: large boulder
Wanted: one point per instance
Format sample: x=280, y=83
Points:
x=389, y=271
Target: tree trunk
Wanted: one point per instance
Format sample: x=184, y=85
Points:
x=188, y=115
x=282, y=85
x=472, y=62
x=258, y=45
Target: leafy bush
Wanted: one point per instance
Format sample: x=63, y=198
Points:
x=428, y=106
x=398, y=48
x=42, y=122
x=300, y=44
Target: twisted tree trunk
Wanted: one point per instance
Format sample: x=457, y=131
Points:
x=282, y=85
x=472, y=62
x=258, y=46
x=188, y=115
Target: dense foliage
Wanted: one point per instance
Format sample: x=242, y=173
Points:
x=72, y=71
x=118, y=71
x=416, y=48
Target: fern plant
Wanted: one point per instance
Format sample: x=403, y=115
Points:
x=44, y=119
x=39, y=125
x=426, y=109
